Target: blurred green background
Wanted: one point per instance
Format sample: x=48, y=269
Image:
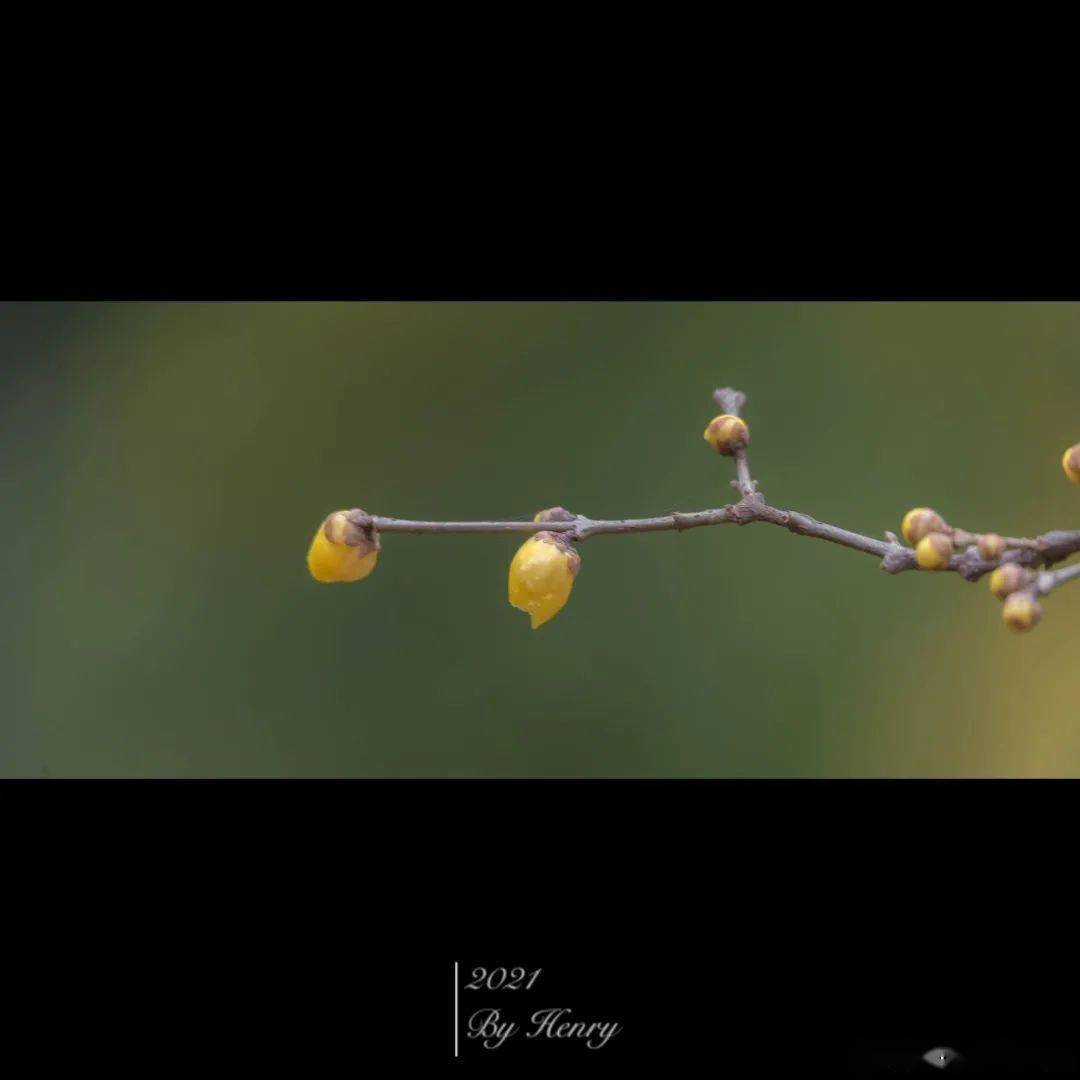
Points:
x=166, y=465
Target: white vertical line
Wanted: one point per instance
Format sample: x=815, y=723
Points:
x=455, y=1009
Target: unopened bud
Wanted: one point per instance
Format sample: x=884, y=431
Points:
x=1070, y=462
x=991, y=546
x=726, y=434
x=344, y=549
x=542, y=574
x=934, y=551
x=921, y=522
x=1021, y=611
x=1006, y=579
x=554, y=513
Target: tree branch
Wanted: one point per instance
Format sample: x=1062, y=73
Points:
x=1047, y=549
x=580, y=528
x=1044, y=550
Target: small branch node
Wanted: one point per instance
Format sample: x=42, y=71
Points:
x=581, y=529
x=897, y=560
x=747, y=509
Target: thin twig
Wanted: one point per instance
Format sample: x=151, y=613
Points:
x=1050, y=547
x=1051, y=579
x=732, y=402
x=1044, y=550
x=580, y=528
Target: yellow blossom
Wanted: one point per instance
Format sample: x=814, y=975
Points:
x=542, y=574
x=342, y=549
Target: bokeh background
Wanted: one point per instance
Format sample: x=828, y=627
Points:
x=165, y=466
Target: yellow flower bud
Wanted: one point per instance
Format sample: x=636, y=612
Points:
x=1021, y=611
x=1070, y=462
x=934, y=551
x=542, y=574
x=991, y=546
x=1006, y=579
x=726, y=434
x=343, y=549
x=921, y=522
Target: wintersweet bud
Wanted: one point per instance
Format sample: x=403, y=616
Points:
x=921, y=522
x=1021, y=611
x=343, y=549
x=1070, y=462
x=726, y=434
x=933, y=551
x=542, y=574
